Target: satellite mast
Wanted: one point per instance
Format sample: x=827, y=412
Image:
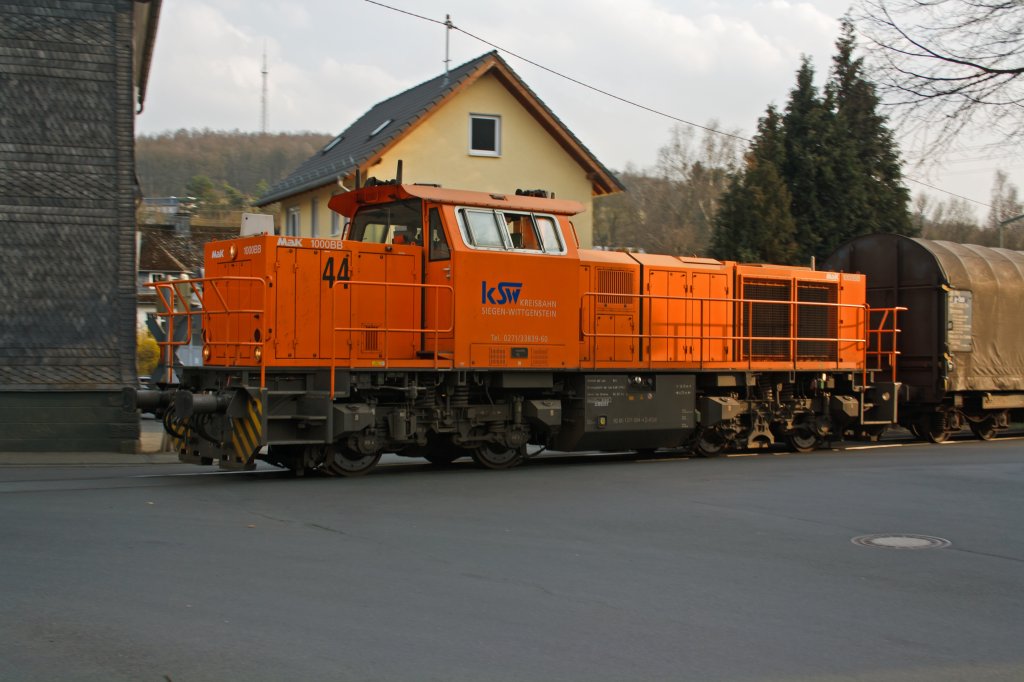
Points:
x=263, y=112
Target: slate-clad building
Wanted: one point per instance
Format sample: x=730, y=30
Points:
x=72, y=77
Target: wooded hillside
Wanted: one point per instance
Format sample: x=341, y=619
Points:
x=248, y=162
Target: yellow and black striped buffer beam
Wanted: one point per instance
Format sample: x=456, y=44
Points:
x=179, y=440
x=247, y=431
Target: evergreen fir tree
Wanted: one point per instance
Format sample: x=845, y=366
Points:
x=754, y=222
x=806, y=168
x=830, y=160
x=865, y=160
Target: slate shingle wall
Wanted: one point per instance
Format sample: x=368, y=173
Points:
x=67, y=248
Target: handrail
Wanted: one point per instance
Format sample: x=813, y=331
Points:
x=878, y=335
x=698, y=321
x=387, y=330
x=212, y=302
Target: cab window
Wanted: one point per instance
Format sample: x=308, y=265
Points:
x=522, y=232
x=510, y=231
x=400, y=222
x=484, y=230
x=439, y=249
x=549, y=237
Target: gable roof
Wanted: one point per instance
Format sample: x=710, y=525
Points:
x=362, y=143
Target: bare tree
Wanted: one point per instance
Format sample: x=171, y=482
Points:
x=949, y=64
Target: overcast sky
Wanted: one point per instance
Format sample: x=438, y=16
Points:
x=329, y=61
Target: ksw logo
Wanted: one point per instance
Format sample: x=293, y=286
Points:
x=505, y=292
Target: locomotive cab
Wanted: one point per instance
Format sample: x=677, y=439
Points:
x=499, y=285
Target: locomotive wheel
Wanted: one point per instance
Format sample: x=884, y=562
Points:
x=494, y=456
x=932, y=428
x=345, y=462
x=985, y=429
x=803, y=441
x=708, y=444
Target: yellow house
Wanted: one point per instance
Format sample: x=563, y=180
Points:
x=479, y=127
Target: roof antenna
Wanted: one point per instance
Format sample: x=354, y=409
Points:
x=448, y=26
x=263, y=110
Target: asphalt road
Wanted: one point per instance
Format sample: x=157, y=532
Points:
x=581, y=568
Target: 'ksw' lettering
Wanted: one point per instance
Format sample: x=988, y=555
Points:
x=505, y=292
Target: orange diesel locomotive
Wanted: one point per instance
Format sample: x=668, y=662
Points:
x=450, y=323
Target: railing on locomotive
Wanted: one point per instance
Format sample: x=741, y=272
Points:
x=863, y=309
x=879, y=335
x=171, y=293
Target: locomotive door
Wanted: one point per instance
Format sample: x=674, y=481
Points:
x=711, y=316
x=438, y=295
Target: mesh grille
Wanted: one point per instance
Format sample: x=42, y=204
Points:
x=371, y=341
x=496, y=357
x=817, y=321
x=766, y=319
x=614, y=282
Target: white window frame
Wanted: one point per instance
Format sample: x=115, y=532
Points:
x=506, y=238
x=497, y=135
x=292, y=219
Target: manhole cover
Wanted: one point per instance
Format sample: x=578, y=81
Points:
x=901, y=541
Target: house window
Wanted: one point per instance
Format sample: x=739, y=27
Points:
x=314, y=222
x=484, y=135
x=335, y=224
x=291, y=225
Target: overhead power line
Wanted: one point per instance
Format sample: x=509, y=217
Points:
x=560, y=74
x=448, y=24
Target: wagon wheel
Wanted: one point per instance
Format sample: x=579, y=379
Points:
x=932, y=427
x=803, y=441
x=344, y=462
x=709, y=444
x=495, y=456
x=985, y=429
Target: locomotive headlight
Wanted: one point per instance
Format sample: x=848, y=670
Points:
x=258, y=354
x=885, y=396
x=206, y=353
x=233, y=252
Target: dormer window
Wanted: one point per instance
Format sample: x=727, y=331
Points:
x=330, y=145
x=381, y=127
x=484, y=135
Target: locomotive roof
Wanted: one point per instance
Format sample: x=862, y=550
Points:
x=347, y=203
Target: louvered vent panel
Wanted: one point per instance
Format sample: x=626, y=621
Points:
x=371, y=341
x=817, y=321
x=615, y=282
x=771, y=321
